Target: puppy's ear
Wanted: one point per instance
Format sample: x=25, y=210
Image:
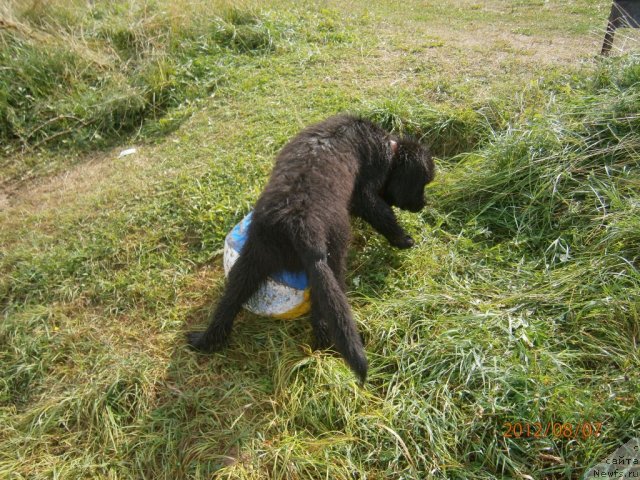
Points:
x=394, y=146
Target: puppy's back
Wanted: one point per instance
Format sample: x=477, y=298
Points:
x=315, y=172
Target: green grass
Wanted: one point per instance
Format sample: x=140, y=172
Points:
x=519, y=302
x=80, y=77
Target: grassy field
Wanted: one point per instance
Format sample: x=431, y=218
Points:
x=518, y=305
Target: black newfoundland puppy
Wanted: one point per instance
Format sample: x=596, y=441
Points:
x=343, y=165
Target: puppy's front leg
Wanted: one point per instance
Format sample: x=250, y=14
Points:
x=375, y=211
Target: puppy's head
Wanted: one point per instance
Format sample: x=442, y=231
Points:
x=411, y=169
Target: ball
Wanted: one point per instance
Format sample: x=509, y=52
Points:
x=282, y=295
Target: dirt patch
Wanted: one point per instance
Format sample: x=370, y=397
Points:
x=93, y=176
x=430, y=56
x=4, y=201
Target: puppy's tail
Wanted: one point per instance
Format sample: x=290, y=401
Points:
x=331, y=302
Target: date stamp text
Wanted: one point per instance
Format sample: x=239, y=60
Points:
x=568, y=430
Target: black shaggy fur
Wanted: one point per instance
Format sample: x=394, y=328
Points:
x=343, y=165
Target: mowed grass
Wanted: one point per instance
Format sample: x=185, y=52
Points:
x=519, y=304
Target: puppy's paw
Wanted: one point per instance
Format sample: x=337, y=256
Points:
x=403, y=242
x=197, y=342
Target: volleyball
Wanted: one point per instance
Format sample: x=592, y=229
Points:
x=283, y=295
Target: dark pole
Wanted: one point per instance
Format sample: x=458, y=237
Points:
x=611, y=29
x=624, y=13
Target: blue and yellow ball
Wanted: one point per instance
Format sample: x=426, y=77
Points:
x=283, y=295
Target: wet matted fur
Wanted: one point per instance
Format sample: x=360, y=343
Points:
x=341, y=166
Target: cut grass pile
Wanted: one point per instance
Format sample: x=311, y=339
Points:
x=82, y=75
x=85, y=74
x=518, y=305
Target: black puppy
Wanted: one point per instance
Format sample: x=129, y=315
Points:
x=342, y=165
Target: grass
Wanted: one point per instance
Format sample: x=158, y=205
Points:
x=518, y=304
x=91, y=76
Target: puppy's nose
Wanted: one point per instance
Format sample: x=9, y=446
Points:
x=416, y=207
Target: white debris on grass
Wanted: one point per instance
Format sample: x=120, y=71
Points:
x=128, y=151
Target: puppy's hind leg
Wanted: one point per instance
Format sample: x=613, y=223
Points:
x=322, y=336
x=245, y=277
x=329, y=303
x=336, y=259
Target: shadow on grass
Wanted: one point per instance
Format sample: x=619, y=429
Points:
x=211, y=407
